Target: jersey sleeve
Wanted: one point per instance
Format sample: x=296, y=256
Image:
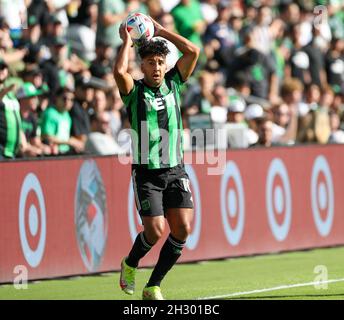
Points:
x=127, y=99
x=175, y=76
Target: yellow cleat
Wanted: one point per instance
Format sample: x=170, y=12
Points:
x=152, y=293
x=127, y=278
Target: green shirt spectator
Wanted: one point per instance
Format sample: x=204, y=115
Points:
x=57, y=124
x=10, y=126
x=189, y=21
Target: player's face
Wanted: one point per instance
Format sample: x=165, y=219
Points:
x=154, y=69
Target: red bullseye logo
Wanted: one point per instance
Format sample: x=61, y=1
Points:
x=322, y=196
x=278, y=199
x=232, y=203
x=32, y=220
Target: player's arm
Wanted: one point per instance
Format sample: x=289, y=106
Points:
x=123, y=79
x=187, y=62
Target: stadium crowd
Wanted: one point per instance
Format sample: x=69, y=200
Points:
x=271, y=72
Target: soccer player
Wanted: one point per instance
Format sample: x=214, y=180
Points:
x=161, y=185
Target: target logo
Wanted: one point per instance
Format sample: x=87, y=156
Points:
x=278, y=199
x=32, y=220
x=232, y=203
x=135, y=220
x=322, y=196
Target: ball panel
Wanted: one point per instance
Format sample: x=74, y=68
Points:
x=140, y=26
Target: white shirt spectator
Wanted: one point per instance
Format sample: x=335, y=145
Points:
x=209, y=11
x=168, y=5
x=14, y=12
x=336, y=137
x=277, y=132
x=103, y=144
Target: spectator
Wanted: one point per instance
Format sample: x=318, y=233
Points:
x=299, y=62
x=100, y=140
x=268, y=53
x=32, y=34
x=264, y=134
x=110, y=16
x=337, y=135
x=28, y=99
x=262, y=30
x=39, y=9
x=313, y=96
x=316, y=60
x=56, y=123
x=10, y=121
x=236, y=110
x=220, y=104
x=61, y=64
x=219, y=37
x=253, y=114
x=209, y=10
x=189, y=20
x=334, y=64
x=7, y=51
x=286, y=113
x=154, y=8
x=104, y=58
x=79, y=113
x=87, y=14
x=327, y=98
x=100, y=101
x=258, y=68
x=14, y=13
x=199, y=98
x=116, y=112
x=52, y=29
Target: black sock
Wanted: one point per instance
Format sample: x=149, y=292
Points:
x=138, y=251
x=169, y=254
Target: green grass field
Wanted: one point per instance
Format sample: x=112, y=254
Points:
x=210, y=279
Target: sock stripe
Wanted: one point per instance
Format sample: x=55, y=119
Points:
x=144, y=241
x=176, y=244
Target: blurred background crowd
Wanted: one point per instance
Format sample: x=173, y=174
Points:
x=271, y=72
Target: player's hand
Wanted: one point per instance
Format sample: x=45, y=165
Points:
x=124, y=34
x=157, y=27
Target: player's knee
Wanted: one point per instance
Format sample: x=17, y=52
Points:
x=183, y=231
x=154, y=234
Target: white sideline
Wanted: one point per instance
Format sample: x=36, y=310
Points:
x=236, y=294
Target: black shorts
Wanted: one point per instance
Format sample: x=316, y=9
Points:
x=157, y=190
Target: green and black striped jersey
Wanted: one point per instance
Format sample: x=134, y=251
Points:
x=156, y=122
x=10, y=126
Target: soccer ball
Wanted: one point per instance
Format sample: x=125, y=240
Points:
x=140, y=27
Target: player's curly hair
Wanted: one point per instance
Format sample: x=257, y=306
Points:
x=153, y=47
